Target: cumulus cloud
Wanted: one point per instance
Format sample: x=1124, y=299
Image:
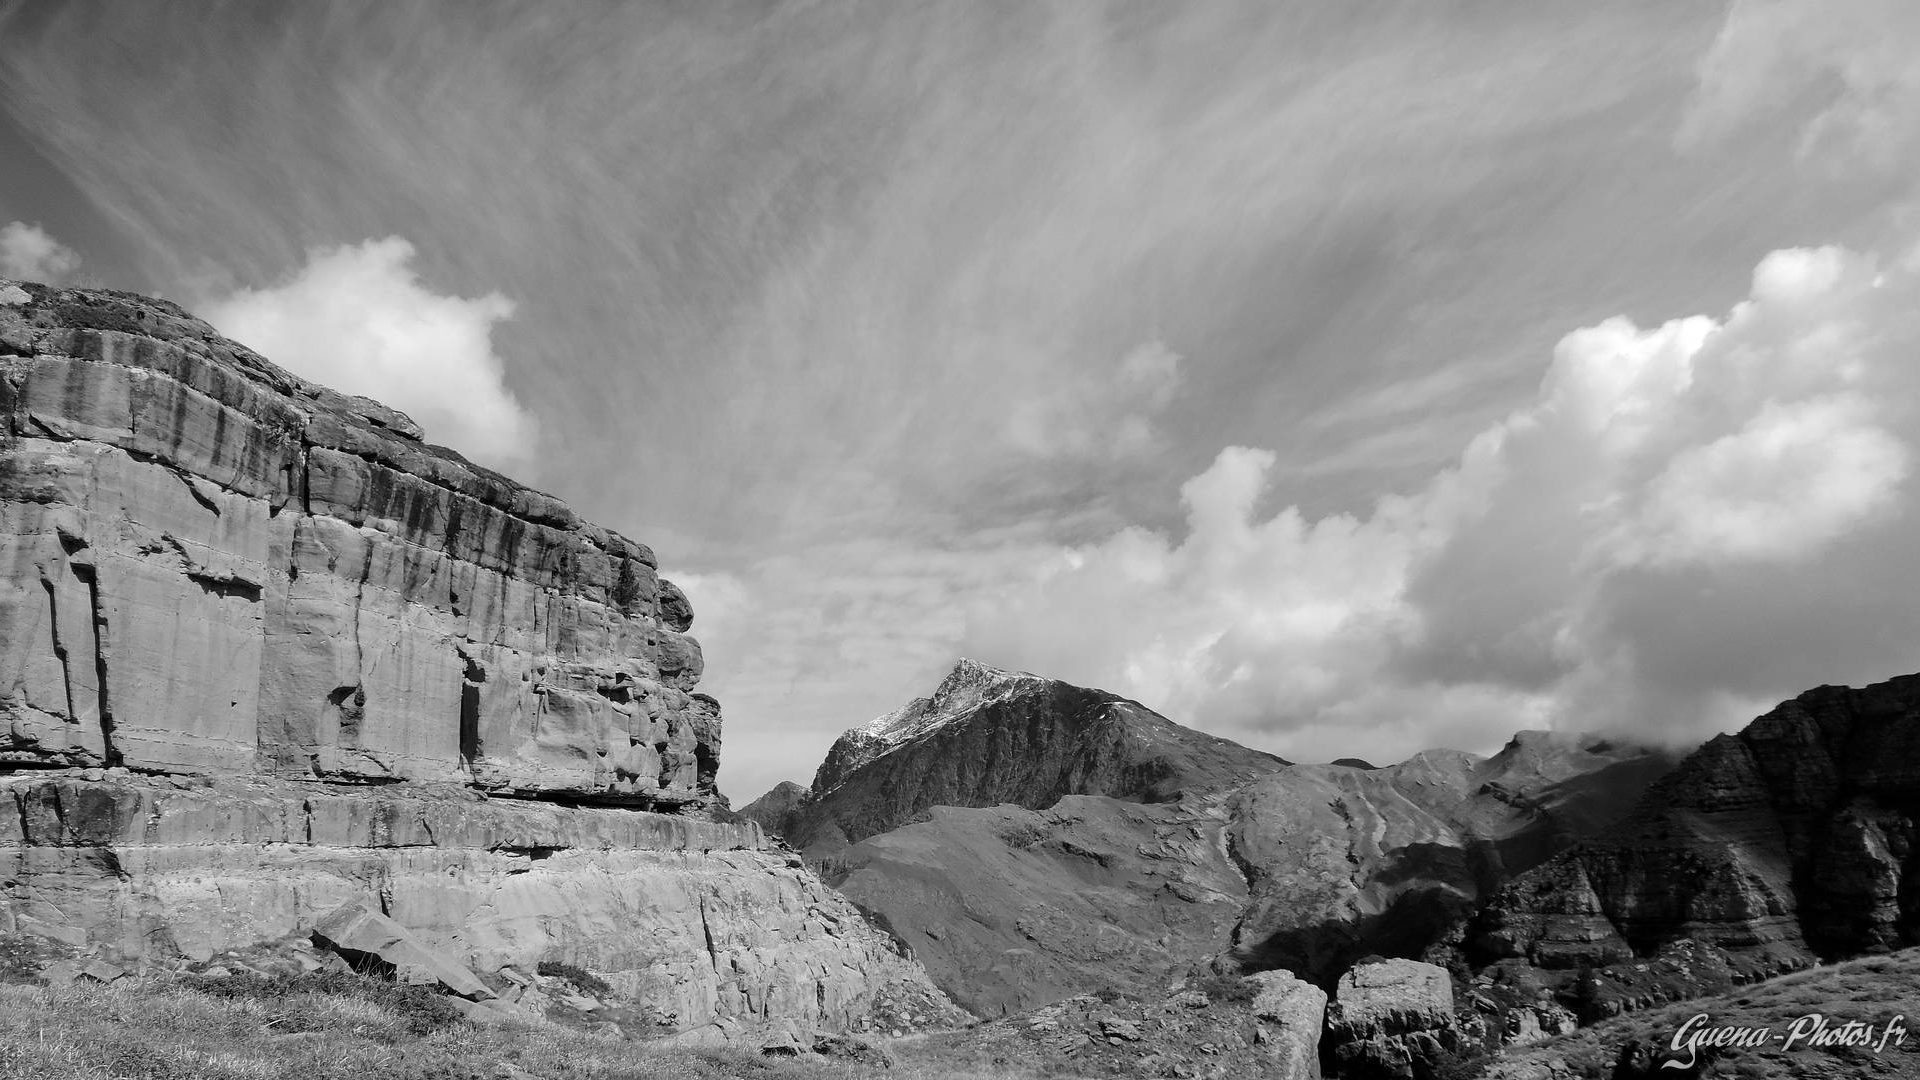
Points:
x=29, y=253
x=357, y=318
x=1689, y=521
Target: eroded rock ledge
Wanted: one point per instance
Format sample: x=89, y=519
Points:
x=696, y=920
x=210, y=565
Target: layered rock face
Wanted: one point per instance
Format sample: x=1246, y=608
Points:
x=207, y=564
x=1345, y=861
x=1222, y=856
x=697, y=920
x=264, y=653
x=1791, y=841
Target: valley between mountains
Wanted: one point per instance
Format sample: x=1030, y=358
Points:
x=289, y=694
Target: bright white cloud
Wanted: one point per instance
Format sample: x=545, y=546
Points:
x=357, y=318
x=1689, y=519
x=29, y=253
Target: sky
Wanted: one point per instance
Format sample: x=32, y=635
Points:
x=1344, y=379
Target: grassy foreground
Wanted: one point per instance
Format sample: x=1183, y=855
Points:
x=359, y=1029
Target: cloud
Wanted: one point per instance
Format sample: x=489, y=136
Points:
x=1101, y=414
x=1689, y=521
x=29, y=253
x=1844, y=70
x=357, y=318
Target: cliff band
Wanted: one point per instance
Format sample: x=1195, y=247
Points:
x=263, y=649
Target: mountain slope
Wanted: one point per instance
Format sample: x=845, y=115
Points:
x=1795, y=840
x=988, y=737
x=1345, y=861
x=1124, y=850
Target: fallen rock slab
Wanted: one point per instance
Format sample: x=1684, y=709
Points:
x=359, y=927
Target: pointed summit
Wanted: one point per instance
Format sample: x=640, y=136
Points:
x=967, y=687
x=988, y=736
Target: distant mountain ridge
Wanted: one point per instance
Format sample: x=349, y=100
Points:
x=1030, y=840
x=1794, y=841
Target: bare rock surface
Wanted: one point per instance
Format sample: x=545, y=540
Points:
x=1268, y=1025
x=695, y=919
x=208, y=564
x=1789, y=843
x=1392, y=1020
x=271, y=663
x=1342, y=862
x=360, y=930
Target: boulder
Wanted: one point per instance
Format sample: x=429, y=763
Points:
x=1392, y=1020
x=1290, y=1014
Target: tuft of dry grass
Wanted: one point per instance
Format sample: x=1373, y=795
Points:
x=351, y=1028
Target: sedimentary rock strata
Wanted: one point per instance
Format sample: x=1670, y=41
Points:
x=1792, y=841
x=1344, y=861
x=267, y=657
x=697, y=920
x=209, y=564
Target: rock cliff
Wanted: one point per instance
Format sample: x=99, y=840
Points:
x=208, y=564
x=1790, y=842
x=1345, y=861
x=263, y=650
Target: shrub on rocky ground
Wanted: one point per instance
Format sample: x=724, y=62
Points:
x=584, y=981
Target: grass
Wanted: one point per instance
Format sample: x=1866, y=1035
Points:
x=1871, y=989
x=328, y=1026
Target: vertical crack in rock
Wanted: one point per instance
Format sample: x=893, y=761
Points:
x=90, y=579
x=60, y=647
x=470, y=683
x=706, y=930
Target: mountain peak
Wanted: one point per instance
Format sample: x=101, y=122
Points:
x=966, y=688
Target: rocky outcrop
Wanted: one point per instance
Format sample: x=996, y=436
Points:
x=1790, y=842
x=696, y=921
x=1267, y=1025
x=1391, y=1020
x=989, y=737
x=272, y=668
x=1220, y=857
x=1342, y=861
x=207, y=564
x=1289, y=1016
